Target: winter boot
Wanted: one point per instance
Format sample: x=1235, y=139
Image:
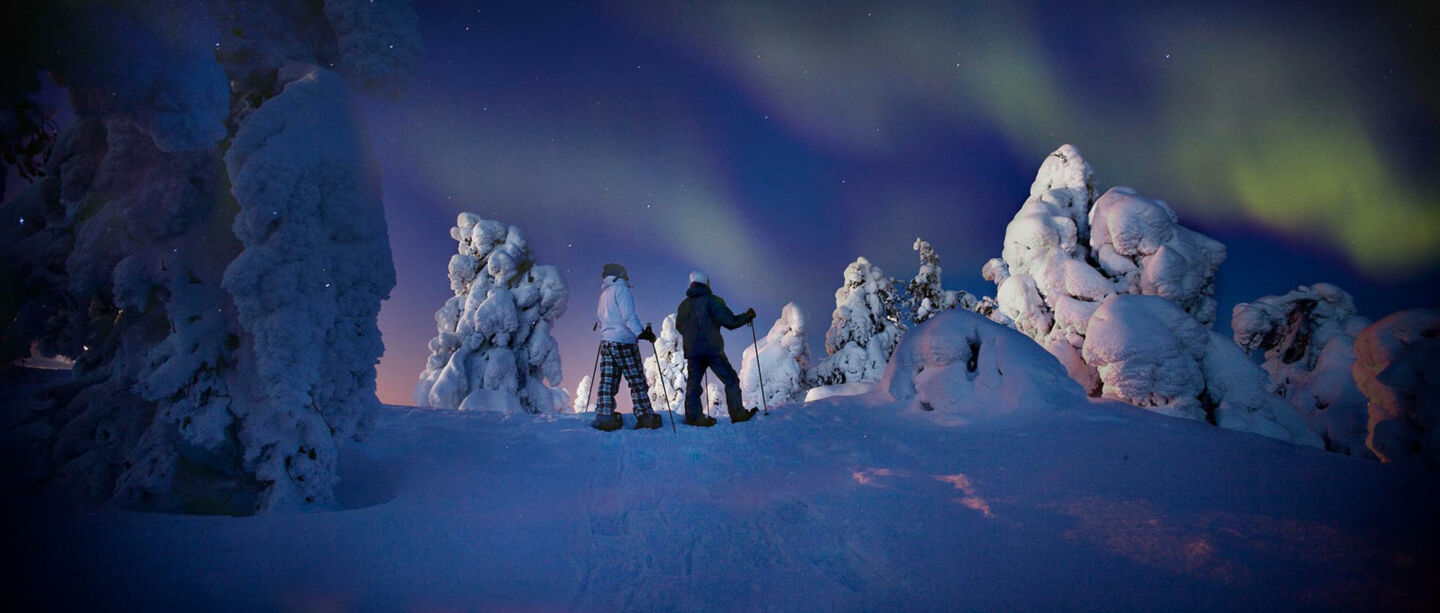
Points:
x=743, y=415
x=648, y=420
x=607, y=422
x=704, y=421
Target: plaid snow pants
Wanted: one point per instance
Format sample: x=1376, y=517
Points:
x=617, y=359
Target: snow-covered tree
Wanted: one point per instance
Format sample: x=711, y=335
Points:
x=1065, y=252
x=669, y=362
x=1149, y=352
x=714, y=399
x=923, y=296
x=1308, y=336
x=1397, y=366
x=209, y=244
x=582, y=402
x=783, y=357
x=863, y=328
x=494, y=350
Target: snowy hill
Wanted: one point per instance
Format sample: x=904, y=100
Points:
x=841, y=504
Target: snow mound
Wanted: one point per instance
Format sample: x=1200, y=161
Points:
x=1308, y=336
x=494, y=334
x=1149, y=352
x=1397, y=366
x=969, y=369
x=784, y=354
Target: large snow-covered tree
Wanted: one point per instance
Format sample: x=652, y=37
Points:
x=493, y=349
x=1308, y=336
x=1149, y=352
x=208, y=243
x=1397, y=366
x=1066, y=251
x=1123, y=295
x=863, y=328
x=783, y=356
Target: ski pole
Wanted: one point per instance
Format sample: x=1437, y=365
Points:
x=664, y=387
x=590, y=392
x=759, y=372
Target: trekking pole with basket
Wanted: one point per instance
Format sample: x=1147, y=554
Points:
x=759, y=372
x=664, y=387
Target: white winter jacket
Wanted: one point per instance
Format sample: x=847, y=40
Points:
x=618, y=321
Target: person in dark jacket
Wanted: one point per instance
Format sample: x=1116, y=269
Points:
x=699, y=319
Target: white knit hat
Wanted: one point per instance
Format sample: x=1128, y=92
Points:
x=699, y=277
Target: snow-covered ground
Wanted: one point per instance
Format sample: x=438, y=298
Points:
x=840, y=504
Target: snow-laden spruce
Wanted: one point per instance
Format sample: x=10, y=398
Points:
x=308, y=285
x=582, y=403
x=1065, y=252
x=923, y=296
x=783, y=358
x=493, y=350
x=863, y=331
x=968, y=369
x=665, y=371
x=220, y=310
x=1308, y=336
x=1397, y=360
x=1149, y=352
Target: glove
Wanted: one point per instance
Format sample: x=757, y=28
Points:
x=750, y=315
x=647, y=334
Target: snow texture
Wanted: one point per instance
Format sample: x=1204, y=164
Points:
x=220, y=310
x=494, y=333
x=1065, y=252
x=783, y=358
x=1397, y=366
x=1308, y=336
x=1149, y=352
x=837, y=505
x=968, y=369
x=863, y=328
x=665, y=371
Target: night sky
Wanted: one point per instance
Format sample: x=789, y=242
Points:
x=770, y=145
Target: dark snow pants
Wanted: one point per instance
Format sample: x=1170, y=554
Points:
x=617, y=359
x=695, y=374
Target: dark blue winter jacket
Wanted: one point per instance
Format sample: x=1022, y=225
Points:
x=698, y=319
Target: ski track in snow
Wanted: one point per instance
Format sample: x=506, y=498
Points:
x=827, y=506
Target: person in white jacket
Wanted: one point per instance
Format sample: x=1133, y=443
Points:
x=620, y=353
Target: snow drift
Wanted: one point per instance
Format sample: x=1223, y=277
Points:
x=1308, y=336
x=493, y=349
x=968, y=369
